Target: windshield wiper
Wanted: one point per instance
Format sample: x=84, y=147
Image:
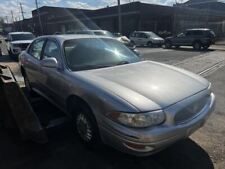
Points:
x=87, y=67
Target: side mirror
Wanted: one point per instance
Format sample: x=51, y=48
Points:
x=50, y=63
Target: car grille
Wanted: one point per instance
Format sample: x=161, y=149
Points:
x=191, y=110
x=23, y=46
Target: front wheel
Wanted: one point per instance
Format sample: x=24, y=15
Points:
x=86, y=128
x=150, y=44
x=197, y=45
x=132, y=42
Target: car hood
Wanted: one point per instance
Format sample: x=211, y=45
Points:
x=21, y=42
x=158, y=38
x=170, y=37
x=147, y=85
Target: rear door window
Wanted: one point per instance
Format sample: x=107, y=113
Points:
x=36, y=47
x=142, y=35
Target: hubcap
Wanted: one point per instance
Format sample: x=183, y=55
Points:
x=84, y=128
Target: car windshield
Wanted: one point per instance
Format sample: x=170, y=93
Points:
x=16, y=37
x=93, y=53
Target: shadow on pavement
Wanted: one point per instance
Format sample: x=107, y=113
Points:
x=64, y=151
x=186, y=49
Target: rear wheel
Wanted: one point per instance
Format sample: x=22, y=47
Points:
x=197, y=45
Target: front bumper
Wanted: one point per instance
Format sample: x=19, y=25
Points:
x=143, y=142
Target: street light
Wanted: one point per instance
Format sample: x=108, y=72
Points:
x=119, y=17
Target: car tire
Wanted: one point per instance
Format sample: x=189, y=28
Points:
x=150, y=44
x=177, y=46
x=197, y=45
x=206, y=47
x=168, y=45
x=86, y=128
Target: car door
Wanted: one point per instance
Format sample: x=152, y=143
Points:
x=33, y=66
x=144, y=39
x=52, y=79
x=133, y=37
x=179, y=39
x=188, y=40
x=141, y=39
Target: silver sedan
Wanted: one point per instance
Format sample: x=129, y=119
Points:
x=138, y=107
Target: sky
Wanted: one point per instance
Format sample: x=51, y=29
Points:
x=6, y=6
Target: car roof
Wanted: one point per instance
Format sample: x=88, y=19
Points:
x=143, y=31
x=199, y=29
x=17, y=33
x=92, y=31
x=65, y=37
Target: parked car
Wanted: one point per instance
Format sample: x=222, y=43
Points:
x=198, y=38
x=18, y=41
x=138, y=107
x=120, y=38
x=142, y=38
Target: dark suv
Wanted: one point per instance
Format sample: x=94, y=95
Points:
x=198, y=38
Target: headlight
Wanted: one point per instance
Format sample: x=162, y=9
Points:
x=140, y=120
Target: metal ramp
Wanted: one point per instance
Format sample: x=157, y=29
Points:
x=16, y=111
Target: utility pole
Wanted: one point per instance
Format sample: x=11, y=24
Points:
x=13, y=20
x=119, y=17
x=21, y=10
x=12, y=16
x=6, y=18
x=39, y=17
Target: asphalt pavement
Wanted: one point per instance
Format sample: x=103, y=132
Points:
x=204, y=150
